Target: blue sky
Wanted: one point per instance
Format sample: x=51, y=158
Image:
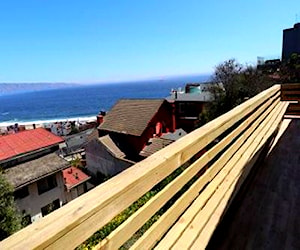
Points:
x=109, y=40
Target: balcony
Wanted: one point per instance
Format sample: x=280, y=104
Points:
x=209, y=173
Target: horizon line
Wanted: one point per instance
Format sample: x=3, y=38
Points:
x=158, y=78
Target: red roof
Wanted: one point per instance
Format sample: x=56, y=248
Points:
x=74, y=176
x=26, y=141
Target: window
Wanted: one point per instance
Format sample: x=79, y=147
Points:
x=181, y=108
x=46, y=184
x=50, y=207
x=26, y=220
x=21, y=193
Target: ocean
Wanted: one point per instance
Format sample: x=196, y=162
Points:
x=82, y=101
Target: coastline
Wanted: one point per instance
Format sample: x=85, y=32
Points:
x=43, y=123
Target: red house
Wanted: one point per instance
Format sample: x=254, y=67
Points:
x=132, y=122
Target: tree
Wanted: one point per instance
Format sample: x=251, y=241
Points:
x=232, y=84
x=290, y=69
x=10, y=220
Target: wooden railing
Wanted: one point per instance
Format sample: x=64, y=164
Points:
x=291, y=92
x=231, y=143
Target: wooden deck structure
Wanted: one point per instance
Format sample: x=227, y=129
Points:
x=232, y=144
x=266, y=214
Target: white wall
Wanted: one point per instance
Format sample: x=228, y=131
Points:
x=98, y=159
x=33, y=203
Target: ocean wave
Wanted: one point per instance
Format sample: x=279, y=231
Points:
x=77, y=119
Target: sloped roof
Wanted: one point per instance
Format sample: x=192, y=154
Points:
x=111, y=146
x=178, y=133
x=191, y=97
x=131, y=116
x=155, y=145
x=79, y=140
x=24, y=142
x=74, y=176
x=31, y=171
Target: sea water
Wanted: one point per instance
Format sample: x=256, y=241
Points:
x=80, y=102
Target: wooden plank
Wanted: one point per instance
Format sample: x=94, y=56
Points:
x=179, y=228
x=288, y=86
x=128, y=228
x=290, y=98
x=290, y=92
x=161, y=226
x=75, y=222
x=176, y=230
x=295, y=92
x=293, y=109
x=221, y=183
x=203, y=239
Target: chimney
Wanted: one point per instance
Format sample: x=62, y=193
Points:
x=173, y=116
x=99, y=119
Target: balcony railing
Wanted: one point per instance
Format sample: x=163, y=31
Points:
x=214, y=161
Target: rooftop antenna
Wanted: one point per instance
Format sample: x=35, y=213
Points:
x=296, y=18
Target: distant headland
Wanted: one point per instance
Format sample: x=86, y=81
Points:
x=12, y=88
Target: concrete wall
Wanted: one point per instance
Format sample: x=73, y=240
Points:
x=100, y=161
x=33, y=203
x=75, y=192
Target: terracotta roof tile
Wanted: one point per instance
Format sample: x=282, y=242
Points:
x=74, y=176
x=23, y=142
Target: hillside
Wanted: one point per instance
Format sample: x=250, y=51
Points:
x=12, y=88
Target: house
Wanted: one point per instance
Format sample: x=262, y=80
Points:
x=75, y=181
x=189, y=104
x=30, y=163
x=39, y=185
x=124, y=133
x=132, y=122
x=104, y=158
x=27, y=145
x=74, y=144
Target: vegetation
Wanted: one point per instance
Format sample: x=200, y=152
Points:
x=232, y=84
x=123, y=216
x=10, y=219
x=77, y=163
x=290, y=69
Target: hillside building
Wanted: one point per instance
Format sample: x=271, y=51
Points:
x=291, y=41
x=36, y=172
x=189, y=103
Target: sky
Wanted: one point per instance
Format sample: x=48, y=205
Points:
x=109, y=40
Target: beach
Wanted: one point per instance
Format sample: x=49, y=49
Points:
x=45, y=123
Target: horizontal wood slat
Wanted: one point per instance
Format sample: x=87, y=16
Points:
x=205, y=235
x=223, y=181
x=72, y=224
x=128, y=228
x=149, y=239
x=230, y=159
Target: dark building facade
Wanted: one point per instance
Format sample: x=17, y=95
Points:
x=291, y=41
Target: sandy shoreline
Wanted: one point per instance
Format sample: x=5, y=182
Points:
x=41, y=123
